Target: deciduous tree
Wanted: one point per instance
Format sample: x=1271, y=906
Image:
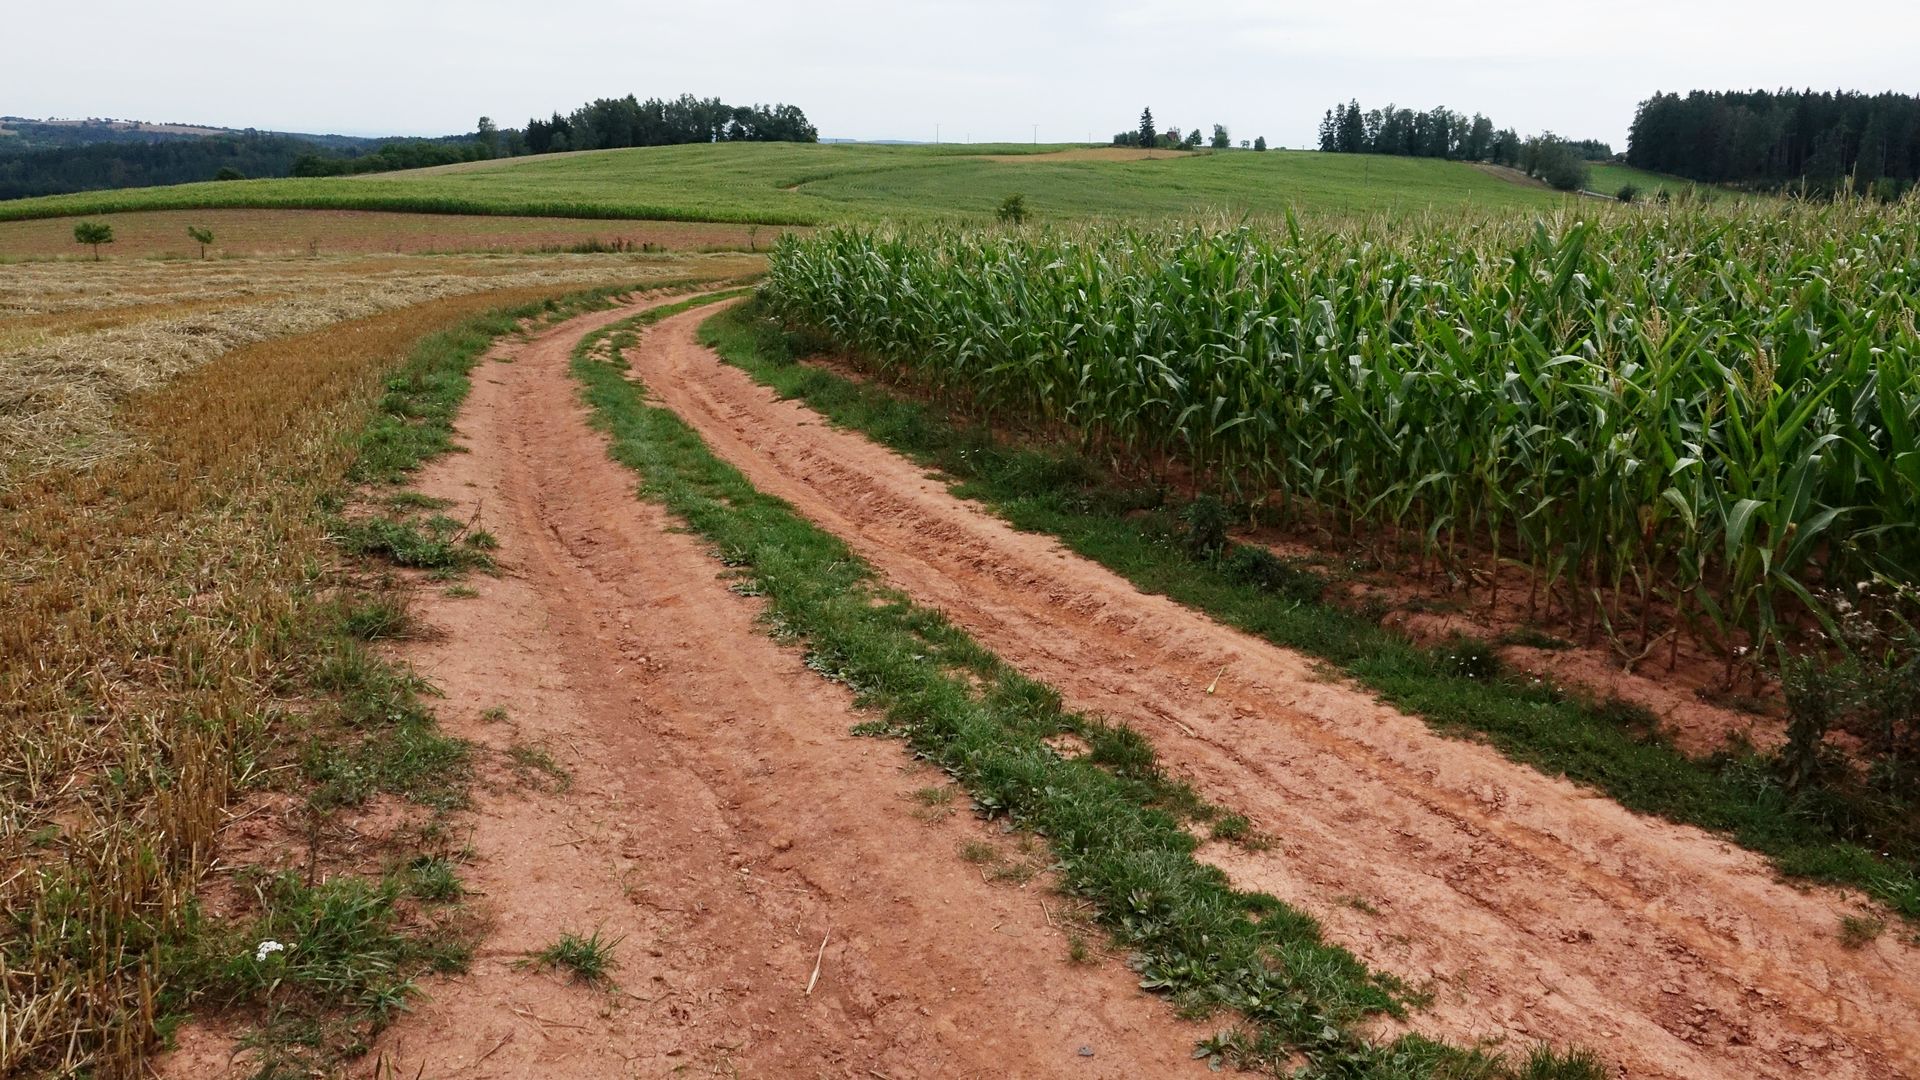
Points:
x=93, y=233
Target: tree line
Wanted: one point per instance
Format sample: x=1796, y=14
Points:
x=1148, y=134
x=1442, y=133
x=619, y=122
x=391, y=155
x=603, y=124
x=1822, y=143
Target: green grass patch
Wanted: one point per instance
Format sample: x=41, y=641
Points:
x=536, y=767
x=587, y=959
x=1871, y=844
x=433, y=543
x=1118, y=828
x=326, y=966
x=1609, y=179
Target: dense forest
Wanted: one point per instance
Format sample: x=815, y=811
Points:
x=176, y=160
x=1443, y=133
x=20, y=135
x=1824, y=142
x=618, y=122
x=395, y=154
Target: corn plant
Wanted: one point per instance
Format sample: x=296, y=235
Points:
x=1699, y=417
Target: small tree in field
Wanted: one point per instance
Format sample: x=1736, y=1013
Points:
x=1148, y=134
x=200, y=236
x=1220, y=140
x=1013, y=209
x=1193, y=139
x=1260, y=143
x=93, y=233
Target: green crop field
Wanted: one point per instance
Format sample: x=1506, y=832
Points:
x=1726, y=435
x=799, y=184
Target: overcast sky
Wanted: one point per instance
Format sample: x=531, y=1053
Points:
x=985, y=69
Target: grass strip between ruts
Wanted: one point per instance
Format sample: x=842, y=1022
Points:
x=1116, y=824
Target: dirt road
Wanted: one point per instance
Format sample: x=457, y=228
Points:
x=1534, y=909
x=719, y=820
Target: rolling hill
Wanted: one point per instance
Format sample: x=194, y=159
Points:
x=802, y=184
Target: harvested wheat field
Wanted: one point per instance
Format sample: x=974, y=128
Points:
x=80, y=338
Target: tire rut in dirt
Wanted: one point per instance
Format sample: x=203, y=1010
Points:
x=1537, y=909
x=719, y=819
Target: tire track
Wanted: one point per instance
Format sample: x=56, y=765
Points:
x=719, y=821
x=1534, y=909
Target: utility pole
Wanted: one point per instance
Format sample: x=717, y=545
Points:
x=1036, y=134
x=936, y=134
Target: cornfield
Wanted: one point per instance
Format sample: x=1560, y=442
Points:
x=1678, y=421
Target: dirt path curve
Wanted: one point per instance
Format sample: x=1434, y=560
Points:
x=1537, y=909
x=720, y=821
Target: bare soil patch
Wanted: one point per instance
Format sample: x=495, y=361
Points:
x=1534, y=909
x=359, y=232
x=1511, y=175
x=1675, y=679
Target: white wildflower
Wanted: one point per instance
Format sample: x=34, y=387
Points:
x=266, y=949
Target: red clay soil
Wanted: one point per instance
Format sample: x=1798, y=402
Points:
x=1533, y=908
x=149, y=233
x=720, y=821
x=1683, y=699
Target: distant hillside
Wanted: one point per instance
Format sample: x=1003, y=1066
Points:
x=782, y=183
x=58, y=157
x=62, y=157
x=22, y=135
x=175, y=160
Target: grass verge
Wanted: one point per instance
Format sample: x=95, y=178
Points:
x=1119, y=829
x=1820, y=835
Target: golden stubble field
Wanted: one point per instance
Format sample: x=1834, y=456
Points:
x=78, y=338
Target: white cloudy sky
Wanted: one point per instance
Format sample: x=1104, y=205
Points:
x=989, y=69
